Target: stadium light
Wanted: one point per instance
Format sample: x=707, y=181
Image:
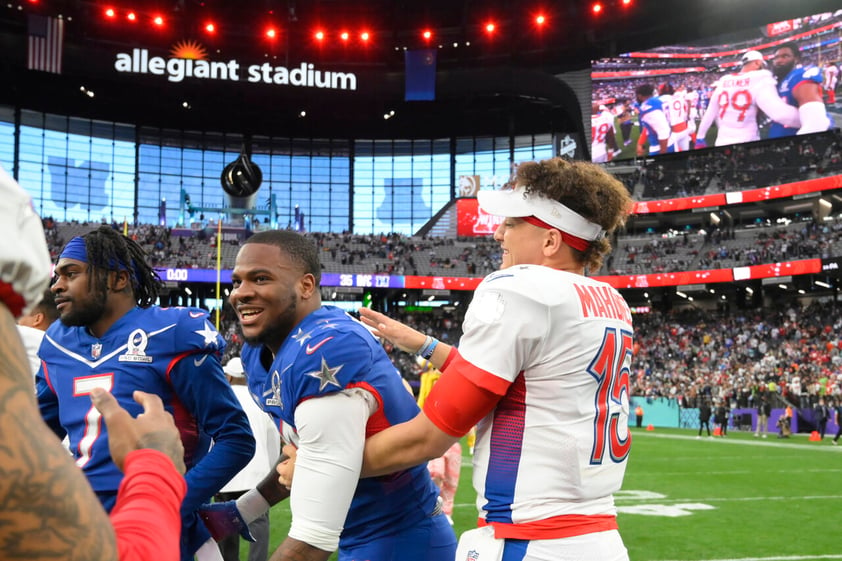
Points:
x=596, y=8
x=540, y=20
x=210, y=27
x=271, y=33
x=319, y=35
x=490, y=27
x=158, y=21
x=110, y=13
x=131, y=16
x=365, y=36
x=344, y=36
x=427, y=35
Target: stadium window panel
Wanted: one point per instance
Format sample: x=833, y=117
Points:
x=7, y=145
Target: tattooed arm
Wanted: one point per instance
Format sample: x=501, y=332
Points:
x=48, y=509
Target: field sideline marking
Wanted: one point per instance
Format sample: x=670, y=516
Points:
x=726, y=499
x=758, y=442
x=776, y=558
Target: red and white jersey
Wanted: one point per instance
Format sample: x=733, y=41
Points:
x=557, y=442
x=734, y=104
x=678, y=108
x=693, y=104
x=602, y=125
x=831, y=76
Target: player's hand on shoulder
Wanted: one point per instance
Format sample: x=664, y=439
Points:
x=24, y=258
x=154, y=428
x=404, y=337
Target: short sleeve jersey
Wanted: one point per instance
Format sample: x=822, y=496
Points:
x=557, y=442
x=328, y=352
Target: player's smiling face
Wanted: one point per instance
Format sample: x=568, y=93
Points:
x=265, y=294
x=520, y=241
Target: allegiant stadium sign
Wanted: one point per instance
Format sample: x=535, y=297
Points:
x=176, y=69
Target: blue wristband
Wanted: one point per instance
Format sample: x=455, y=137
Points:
x=426, y=351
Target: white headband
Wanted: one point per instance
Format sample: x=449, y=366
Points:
x=517, y=203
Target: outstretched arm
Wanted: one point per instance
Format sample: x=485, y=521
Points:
x=402, y=336
x=49, y=510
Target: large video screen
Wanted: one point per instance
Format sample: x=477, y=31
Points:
x=732, y=89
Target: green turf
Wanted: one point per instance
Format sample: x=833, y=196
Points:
x=734, y=498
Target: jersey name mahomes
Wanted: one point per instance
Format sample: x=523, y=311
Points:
x=602, y=302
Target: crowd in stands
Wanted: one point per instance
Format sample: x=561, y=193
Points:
x=736, y=167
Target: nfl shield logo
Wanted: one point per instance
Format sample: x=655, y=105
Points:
x=96, y=350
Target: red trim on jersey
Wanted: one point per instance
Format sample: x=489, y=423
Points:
x=47, y=376
x=454, y=352
x=12, y=299
x=188, y=426
x=680, y=127
x=573, y=241
x=146, y=518
x=556, y=527
x=456, y=403
x=378, y=421
x=478, y=376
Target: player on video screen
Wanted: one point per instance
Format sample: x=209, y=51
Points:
x=603, y=134
x=654, y=125
x=801, y=87
x=674, y=102
x=736, y=100
x=831, y=77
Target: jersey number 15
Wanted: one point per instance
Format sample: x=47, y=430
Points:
x=610, y=369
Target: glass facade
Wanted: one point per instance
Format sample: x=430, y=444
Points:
x=86, y=170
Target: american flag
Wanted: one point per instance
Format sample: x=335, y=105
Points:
x=45, y=38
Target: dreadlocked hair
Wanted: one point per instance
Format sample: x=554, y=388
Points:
x=108, y=251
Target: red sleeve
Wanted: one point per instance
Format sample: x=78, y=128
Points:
x=146, y=517
x=462, y=396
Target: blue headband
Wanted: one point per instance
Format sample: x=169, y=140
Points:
x=75, y=249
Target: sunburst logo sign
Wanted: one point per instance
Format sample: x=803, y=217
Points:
x=189, y=49
x=188, y=59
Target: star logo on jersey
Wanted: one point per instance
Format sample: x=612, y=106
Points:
x=96, y=350
x=326, y=324
x=310, y=349
x=301, y=336
x=209, y=333
x=326, y=375
x=473, y=555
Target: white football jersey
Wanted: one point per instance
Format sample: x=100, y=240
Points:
x=735, y=104
x=831, y=75
x=601, y=126
x=558, y=441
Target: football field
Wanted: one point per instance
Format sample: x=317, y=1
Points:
x=737, y=498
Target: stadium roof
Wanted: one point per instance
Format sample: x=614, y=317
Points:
x=500, y=85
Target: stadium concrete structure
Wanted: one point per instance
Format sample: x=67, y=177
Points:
x=137, y=123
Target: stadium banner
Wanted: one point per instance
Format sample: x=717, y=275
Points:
x=793, y=189
x=442, y=283
x=769, y=270
x=668, y=279
x=472, y=221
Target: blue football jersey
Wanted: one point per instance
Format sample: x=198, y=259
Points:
x=171, y=352
x=786, y=87
x=328, y=352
